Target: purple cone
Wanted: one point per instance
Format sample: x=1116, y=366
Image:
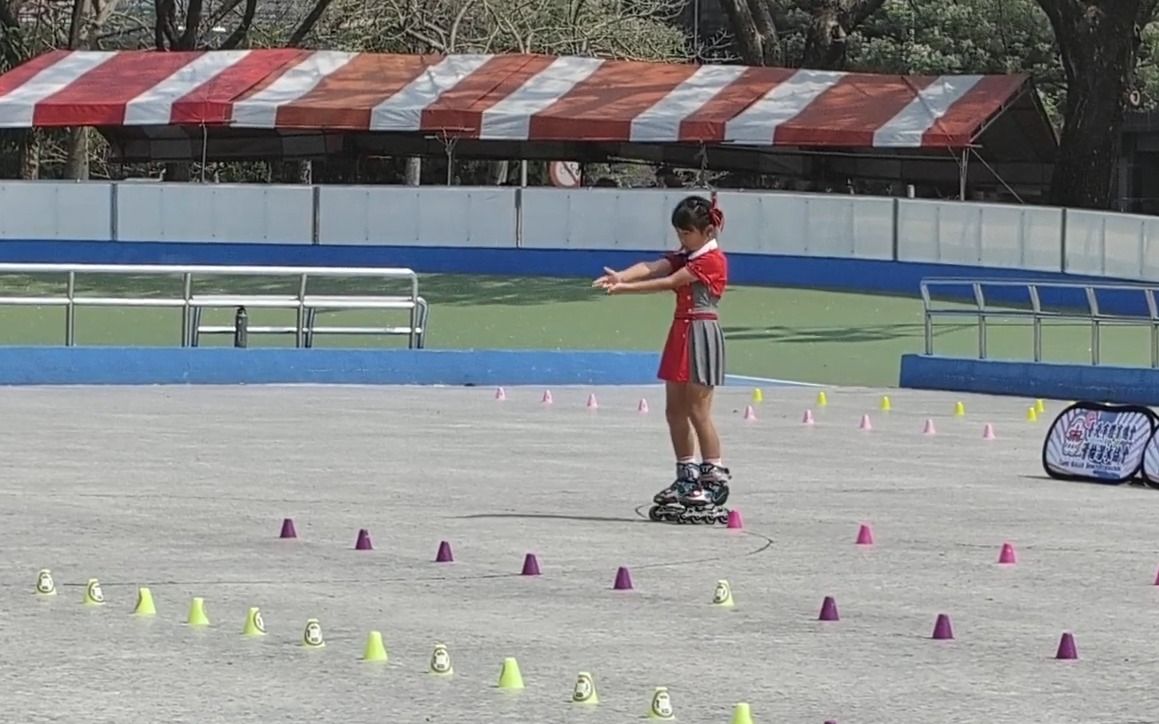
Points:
x=288, y=530
x=363, y=543
x=942, y=629
x=1066, y=647
x=828, y=610
x=530, y=565
x=623, y=580
x=444, y=555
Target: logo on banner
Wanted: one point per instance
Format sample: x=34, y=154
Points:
x=1098, y=443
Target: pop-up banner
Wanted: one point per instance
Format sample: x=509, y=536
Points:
x=1100, y=443
x=1151, y=462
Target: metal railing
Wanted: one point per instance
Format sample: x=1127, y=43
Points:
x=192, y=305
x=1092, y=315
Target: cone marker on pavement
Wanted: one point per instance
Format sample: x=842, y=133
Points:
x=864, y=535
x=735, y=521
x=642, y=408
x=444, y=555
x=254, y=624
x=500, y=394
x=584, y=691
x=988, y=432
x=960, y=409
x=661, y=707
x=312, y=635
x=758, y=395
x=94, y=596
x=45, y=585
x=828, y=610
x=722, y=595
x=144, y=605
x=441, y=661
x=750, y=414
x=1066, y=647
x=928, y=429
x=623, y=580
x=592, y=404
x=943, y=631
x=375, y=650
x=1006, y=556
x=530, y=565
x=822, y=400
x=742, y=714
x=197, y=615
x=807, y=419
x=363, y=543
x=510, y=677
x=288, y=529
x=866, y=423
x=886, y=405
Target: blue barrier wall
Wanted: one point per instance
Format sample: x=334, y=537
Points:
x=830, y=273
x=1123, y=385
x=159, y=366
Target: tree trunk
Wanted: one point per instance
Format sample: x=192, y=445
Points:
x=1099, y=48
x=831, y=22
x=76, y=165
x=754, y=31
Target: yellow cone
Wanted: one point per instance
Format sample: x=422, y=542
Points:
x=1040, y=405
x=822, y=400
x=886, y=405
x=722, y=595
x=144, y=605
x=254, y=625
x=509, y=677
x=45, y=585
x=1031, y=414
x=312, y=635
x=441, y=661
x=661, y=705
x=94, y=596
x=960, y=409
x=758, y=395
x=585, y=690
x=742, y=714
x=375, y=650
x=197, y=615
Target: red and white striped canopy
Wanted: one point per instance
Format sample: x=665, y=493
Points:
x=502, y=97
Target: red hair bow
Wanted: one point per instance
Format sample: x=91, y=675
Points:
x=715, y=215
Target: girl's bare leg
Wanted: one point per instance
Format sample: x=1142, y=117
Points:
x=700, y=400
x=680, y=426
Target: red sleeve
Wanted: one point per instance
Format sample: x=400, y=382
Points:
x=677, y=259
x=712, y=271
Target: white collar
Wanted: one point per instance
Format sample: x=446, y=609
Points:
x=710, y=246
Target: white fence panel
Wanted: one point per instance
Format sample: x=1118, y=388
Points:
x=410, y=216
x=218, y=213
x=1113, y=245
x=54, y=211
x=808, y=224
x=638, y=220
x=1021, y=237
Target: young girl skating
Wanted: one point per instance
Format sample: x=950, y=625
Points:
x=692, y=365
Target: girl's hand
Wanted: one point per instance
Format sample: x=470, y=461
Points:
x=609, y=278
x=617, y=287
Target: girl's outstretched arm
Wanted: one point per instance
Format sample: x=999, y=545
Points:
x=661, y=284
x=643, y=270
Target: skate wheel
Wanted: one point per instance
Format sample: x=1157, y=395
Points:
x=655, y=514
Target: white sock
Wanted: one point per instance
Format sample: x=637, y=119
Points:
x=685, y=461
x=714, y=461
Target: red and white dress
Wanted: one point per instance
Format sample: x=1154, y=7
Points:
x=694, y=351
